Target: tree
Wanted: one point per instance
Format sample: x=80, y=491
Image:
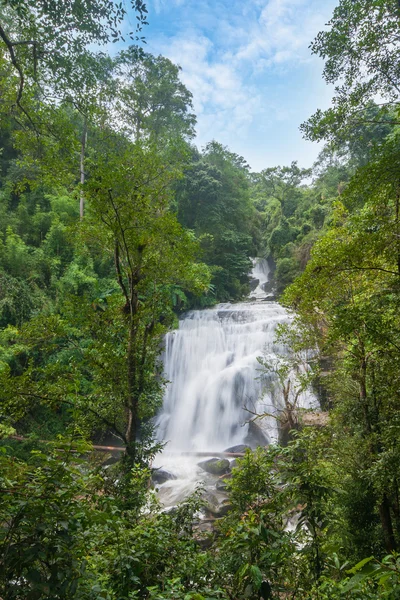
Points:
x=129, y=194
x=362, y=53
x=283, y=183
x=46, y=60
x=126, y=188
x=153, y=101
x=99, y=354
x=348, y=296
x=213, y=199
x=47, y=44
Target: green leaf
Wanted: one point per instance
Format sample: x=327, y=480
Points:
x=360, y=565
x=256, y=576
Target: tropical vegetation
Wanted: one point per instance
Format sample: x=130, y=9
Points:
x=113, y=223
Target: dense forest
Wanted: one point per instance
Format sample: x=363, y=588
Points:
x=112, y=224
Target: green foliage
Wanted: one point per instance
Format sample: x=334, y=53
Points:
x=48, y=47
x=361, y=52
x=41, y=545
x=67, y=533
x=84, y=306
x=154, y=102
x=213, y=200
x=67, y=276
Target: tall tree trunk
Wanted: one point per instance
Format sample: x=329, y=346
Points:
x=387, y=526
x=371, y=422
x=398, y=228
x=362, y=380
x=83, y=150
x=132, y=400
x=132, y=371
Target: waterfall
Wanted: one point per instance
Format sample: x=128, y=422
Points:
x=215, y=378
x=260, y=275
x=211, y=363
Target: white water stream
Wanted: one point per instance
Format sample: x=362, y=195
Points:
x=215, y=379
x=260, y=273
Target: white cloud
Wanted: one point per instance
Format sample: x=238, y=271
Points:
x=160, y=5
x=282, y=33
x=239, y=59
x=222, y=102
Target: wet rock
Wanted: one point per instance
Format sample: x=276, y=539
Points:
x=215, y=466
x=256, y=436
x=240, y=448
x=204, y=541
x=112, y=460
x=161, y=476
x=204, y=533
x=253, y=283
x=220, y=485
x=218, y=506
x=171, y=510
x=233, y=463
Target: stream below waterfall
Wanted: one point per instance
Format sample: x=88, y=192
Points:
x=215, y=380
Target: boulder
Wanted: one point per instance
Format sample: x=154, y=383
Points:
x=220, y=485
x=160, y=476
x=111, y=460
x=253, y=283
x=204, y=533
x=256, y=436
x=217, y=505
x=171, y=510
x=215, y=466
x=239, y=449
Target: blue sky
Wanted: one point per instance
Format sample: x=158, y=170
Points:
x=249, y=68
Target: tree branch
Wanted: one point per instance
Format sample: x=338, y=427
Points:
x=15, y=63
x=119, y=274
x=10, y=47
x=354, y=268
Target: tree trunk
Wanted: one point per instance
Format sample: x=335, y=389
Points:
x=398, y=228
x=133, y=370
x=83, y=150
x=387, y=526
x=132, y=400
x=362, y=378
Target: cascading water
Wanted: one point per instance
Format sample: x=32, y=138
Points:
x=260, y=277
x=211, y=362
x=215, y=380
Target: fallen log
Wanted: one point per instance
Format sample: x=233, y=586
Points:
x=20, y=438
